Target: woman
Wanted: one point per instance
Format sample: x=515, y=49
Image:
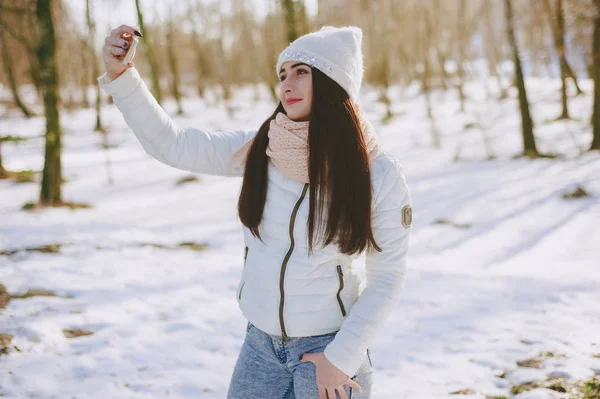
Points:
x=317, y=191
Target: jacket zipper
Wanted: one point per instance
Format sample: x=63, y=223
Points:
x=341, y=276
x=244, y=283
x=285, y=260
x=241, y=288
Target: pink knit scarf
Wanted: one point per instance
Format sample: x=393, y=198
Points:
x=288, y=146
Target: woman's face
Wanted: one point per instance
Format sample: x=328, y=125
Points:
x=295, y=91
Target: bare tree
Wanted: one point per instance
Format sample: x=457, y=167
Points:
x=303, y=18
x=52, y=174
x=289, y=9
x=557, y=24
x=199, y=45
x=378, y=72
x=3, y=172
x=596, y=52
x=202, y=63
x=149, y=51
x=84, y=74
x=224, y=75
x=93, y=60
x=441, y=45
x=42, y=51
x=561, y=33
x=40, y=45
x=494, y=56
x=529, y=147
x=172, y=58
x=559, y=43
x=426, y=38
x=272, y=42
x=8, y=70
x=461, y=44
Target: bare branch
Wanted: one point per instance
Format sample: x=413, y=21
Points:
x=21, y=39
x=16, y=10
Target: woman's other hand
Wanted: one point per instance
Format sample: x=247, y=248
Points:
x=329, y=377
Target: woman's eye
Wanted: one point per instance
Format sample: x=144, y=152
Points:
x=282, y=78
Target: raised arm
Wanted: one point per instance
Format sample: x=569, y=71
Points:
x=190, y=149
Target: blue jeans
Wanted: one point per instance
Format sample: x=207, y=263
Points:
x=268, y=369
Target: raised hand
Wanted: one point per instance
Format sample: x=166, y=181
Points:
x=115, y=48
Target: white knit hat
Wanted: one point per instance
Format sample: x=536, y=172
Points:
x=334, y=51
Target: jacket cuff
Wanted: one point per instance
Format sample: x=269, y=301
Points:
x=349, y=363
x=122, y=86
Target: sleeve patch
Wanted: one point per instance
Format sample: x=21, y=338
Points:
x=407, y=216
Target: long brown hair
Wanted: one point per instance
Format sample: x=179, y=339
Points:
x=339, y=171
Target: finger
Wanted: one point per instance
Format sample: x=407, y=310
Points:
x=111, y=52
x=322, y=392
x=115, y=41
x=117, y=51
x=330, y=393
x=124, y=29
x=342, y=392
x=352, y=384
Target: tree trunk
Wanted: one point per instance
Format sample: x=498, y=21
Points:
x=491, y=50
x=154, y=72
x=84, y=74
x=304, y=24
x=224, y=77
x=8, y=70
x=95, y=70
x=202, y=63
x=3, y=172
x=596, y=53
x=560, y=45
x=269, y=36
x=558, y=34
x=290, y=19
x=426, y=75
x=440, y=54
x=46, y=54
x=558, y=30
x=461, y=53
x=441, y=58
x=571, y=74
x=561, y=32
x=173, y=66
x=529, y=147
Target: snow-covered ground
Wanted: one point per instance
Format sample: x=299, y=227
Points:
x=513, y=273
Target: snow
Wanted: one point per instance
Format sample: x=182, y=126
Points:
x=517, y=274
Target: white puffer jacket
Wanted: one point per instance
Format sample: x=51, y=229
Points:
x=283, y=290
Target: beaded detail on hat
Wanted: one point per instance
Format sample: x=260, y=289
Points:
x=308, y=59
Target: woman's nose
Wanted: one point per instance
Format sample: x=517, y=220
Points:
x=287, y=84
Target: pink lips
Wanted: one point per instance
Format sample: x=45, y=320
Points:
x=292, y=100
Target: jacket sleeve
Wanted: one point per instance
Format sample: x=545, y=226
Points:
x=385, y=274
x=191, y=149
